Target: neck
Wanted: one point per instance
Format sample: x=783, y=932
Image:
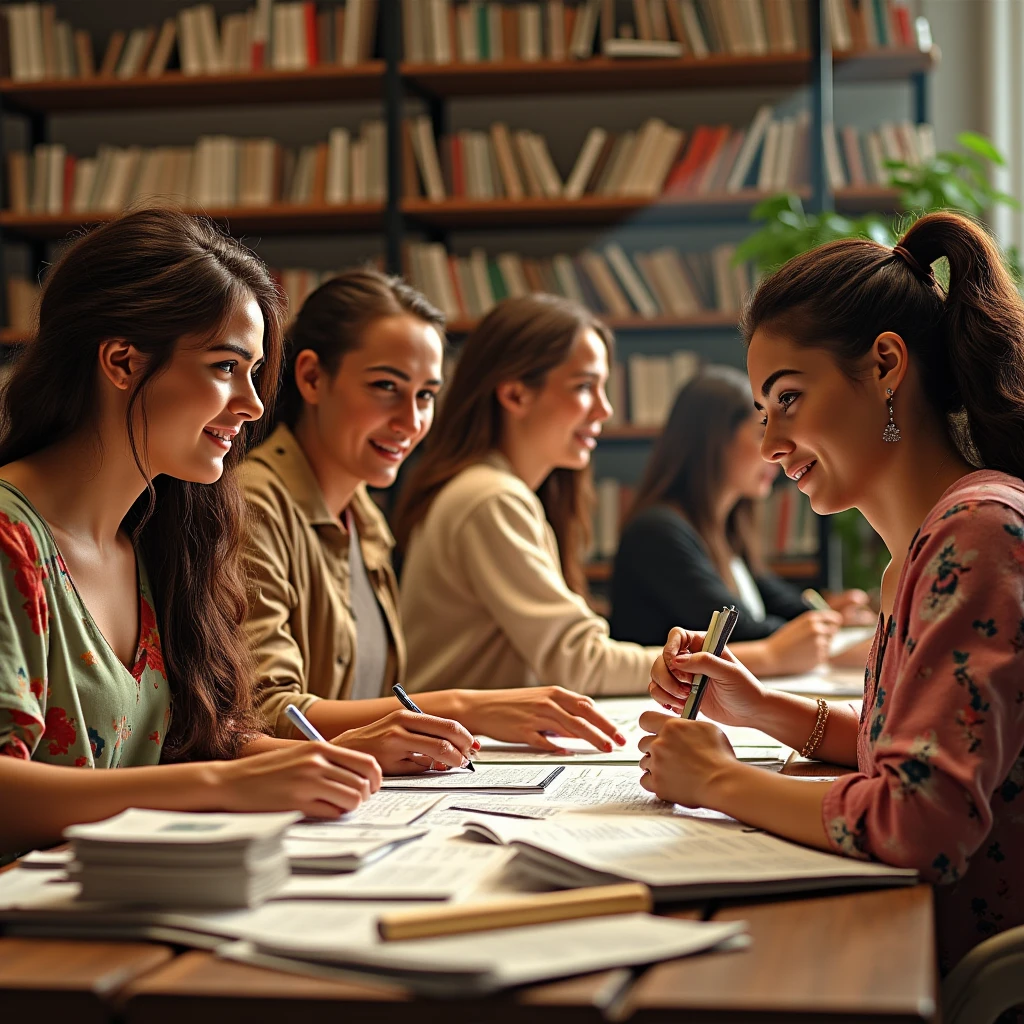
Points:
x=82, y=486
x=533, y=471
x=914, y=479
x=337, y=485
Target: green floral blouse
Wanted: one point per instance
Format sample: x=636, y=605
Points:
x=65, y=697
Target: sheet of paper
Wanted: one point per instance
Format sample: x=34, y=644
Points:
x=849, y=636
x=486, y=777
x=386, y=807
x=827, y=682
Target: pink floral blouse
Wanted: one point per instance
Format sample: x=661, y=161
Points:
x=941, y=780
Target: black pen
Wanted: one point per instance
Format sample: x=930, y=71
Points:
x=407, y=702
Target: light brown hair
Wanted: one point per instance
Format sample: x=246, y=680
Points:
x=521, y=339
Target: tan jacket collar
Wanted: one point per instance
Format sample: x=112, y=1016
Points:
x=283, y=455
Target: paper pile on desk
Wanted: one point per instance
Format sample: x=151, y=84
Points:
x=173, y=858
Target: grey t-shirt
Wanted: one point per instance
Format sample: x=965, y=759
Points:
x=371, y=629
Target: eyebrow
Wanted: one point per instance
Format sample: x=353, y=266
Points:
x=766, y=387
x=589, y=374
x=239, y=350
x=400, y=374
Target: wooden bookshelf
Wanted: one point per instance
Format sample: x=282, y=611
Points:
x=279, y=219
x=629, y=432
x=173, y=89
x=603, y=74
x=710, y=320
x=787, y=568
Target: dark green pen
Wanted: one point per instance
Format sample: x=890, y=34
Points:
x=407, y=702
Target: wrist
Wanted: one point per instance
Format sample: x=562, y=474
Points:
x=724, y=784
x=213, y=785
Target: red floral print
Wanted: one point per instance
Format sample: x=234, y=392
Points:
x=150, y=653
x=17, y=543
x=59, y=731
x=14, y=747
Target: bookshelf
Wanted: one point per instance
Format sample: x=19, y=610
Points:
x=394, y=83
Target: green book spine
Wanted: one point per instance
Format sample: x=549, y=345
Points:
x=483, y=32
x=882, y=21
x=497, y=282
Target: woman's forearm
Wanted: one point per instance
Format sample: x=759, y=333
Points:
x=791, y=720
x=756, y=655
x=38, y=801
x=787, y=807
x=333, y=717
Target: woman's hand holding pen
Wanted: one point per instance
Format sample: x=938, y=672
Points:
x=683, y=761
x=734, y=696
x=405, y=743
x=538, y=715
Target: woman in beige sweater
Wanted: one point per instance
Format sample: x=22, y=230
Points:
x=496, y=515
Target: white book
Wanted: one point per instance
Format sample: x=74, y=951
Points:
x=413, y=31
x=65, y=50
x=662, y=160
x=209, y=41
x=55, y=179
x=104, y=159
x=481, y=280
x=360, y=186
x=626, y=48
x=118, y=182
x=876, y=159
x=907, y=134
x=694, y=31
x=530, y=40
x=441, y=51
x=495, y=32
x=833, y=161
x=890, y=141
x=617, y=164
x=511, y=266
x=145, y=179
x=584, y=29
x=589, y=152
x=441, y=276
x=684, y=368
x=748, y=151
x=355, y=13
x=607, y=287
x=464, y=277
x=756, y=24
x=926, y=141
x=281, y=29
x=624, y=270
x=566, y=274
x=336, y=190
x=297, y=38
x=787, y=25
x=85, y=179
x=555, y=10
x=549, y=176
x=842, y=39
x=161, y=54
x=39, y=193
x=427, y=158
x=34, y=28
x=131, y=54
x=606, y=533
x=667, y=265
x=784, y=155
x=633, y=175
x=725, y=283
x=641, y=413
x=766, y=172
x=511, y=180
x=465, y=22
x=189, y=46
x=18, y=40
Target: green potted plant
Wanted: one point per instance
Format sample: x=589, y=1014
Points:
x=954, y=179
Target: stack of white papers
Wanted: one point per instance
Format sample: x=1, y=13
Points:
x=487, y=778
x=172, y=858
x=334, y=848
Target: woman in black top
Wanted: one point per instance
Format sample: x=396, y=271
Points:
x=689, y=545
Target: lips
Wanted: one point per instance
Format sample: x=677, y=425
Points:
x=389, y=450
x=799, y=474
x=221, y=436
x=588, y=441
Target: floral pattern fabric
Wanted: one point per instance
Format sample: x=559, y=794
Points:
x=940, y=785
x=65, y=698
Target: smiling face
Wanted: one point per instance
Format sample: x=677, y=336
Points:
x=821, y=426
x=562, y=419
x=196, y=406
x=378, y=405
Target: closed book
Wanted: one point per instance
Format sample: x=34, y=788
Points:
x=162, y=49
x=189, y=48
x=18, y=182
x=112, y=53
x=84, y=60
x=660, y=31
x=695, y=37
x=209, y=39
x=512, y=181
x=336, y=189
x=682, y=177
x=55, y=179
x=636, y=48
x=749, y=151
x=631, y=283
x=555, y=21
x=586, y=161
x=48, y=25
x=709, y=171
x=854, y=157
x=413, y=31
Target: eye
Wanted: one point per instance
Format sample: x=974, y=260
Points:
x=427, y=396
x=228, y=366
x=384, y=385
x=787, y=398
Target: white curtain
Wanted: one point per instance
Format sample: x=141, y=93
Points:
x=1002, y=51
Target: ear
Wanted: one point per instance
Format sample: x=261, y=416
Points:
x=515, y=397
x=889, y=360
x=309, y=376
x=120, y=362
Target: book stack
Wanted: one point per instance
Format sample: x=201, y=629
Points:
x=790, y=525
x=658, y=283
x=614, y=500
x=218, y=171
x=858, y=158
x=174, y=858
x=472, y=31
x=282, y=35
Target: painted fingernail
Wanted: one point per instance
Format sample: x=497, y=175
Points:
x=620, y=739
x=476, y=744
x=667, y=707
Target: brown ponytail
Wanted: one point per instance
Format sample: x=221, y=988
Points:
x=967, y=343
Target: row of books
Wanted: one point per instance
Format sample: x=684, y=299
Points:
x=788, y=524
x=218, y=171
x=471, y=31
x=771, y=154
x=662, y=282
x=277, y=34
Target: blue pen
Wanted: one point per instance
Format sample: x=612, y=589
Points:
x=410, y=705
x=303, y=724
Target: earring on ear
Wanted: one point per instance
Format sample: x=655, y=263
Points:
x=891, y=434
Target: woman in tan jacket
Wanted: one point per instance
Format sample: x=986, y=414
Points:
x=364, y=368
x=496, y=515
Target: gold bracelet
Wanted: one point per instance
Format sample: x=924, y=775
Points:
x=818, y=732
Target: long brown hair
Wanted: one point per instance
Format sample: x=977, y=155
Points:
x=520, y=339
x=687, y=463
x=153, y=277
x=967, y=343
x=332, y=320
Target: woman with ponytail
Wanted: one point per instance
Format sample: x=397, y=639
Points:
x=121, y=593
x=363, y=371
x=883, y=390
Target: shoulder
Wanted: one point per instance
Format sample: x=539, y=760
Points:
x=262, y=487
x=663, y=525
x=24, y=537
x=484, y=489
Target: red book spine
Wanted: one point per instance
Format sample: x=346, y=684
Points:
x=906, y=29
x=258, y=54
x=458, y=167
x=680, y=176
x=69, y=181
x=309, y=14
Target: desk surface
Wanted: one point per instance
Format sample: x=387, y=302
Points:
x=857, y=956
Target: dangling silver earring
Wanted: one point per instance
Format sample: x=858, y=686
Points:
x=891, y=434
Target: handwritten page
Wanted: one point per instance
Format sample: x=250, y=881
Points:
x=388, y=807
x=487, y=778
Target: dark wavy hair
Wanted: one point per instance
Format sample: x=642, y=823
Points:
x=332, y=320
x=687, y=463
x=152, y=277
x=967, y=342
x=521, y=339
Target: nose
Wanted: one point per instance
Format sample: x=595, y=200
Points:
x=408, y=419
x=774, y=446
x=603, y=408
x=246, y=402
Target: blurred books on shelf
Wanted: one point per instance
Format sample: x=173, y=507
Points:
x=281, y=35
x=654, y=161
x=471, y=32
x=660, y=283
x=218, y=171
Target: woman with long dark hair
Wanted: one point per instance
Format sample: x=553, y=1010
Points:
x=121, y=595
x=882, y=390
x=364, y=369
x=495, y=517
x=690, y=542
